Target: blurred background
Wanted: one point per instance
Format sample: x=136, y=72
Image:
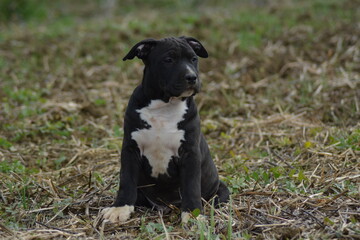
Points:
x=280, y=110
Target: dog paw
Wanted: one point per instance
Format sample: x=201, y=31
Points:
x=185, y=217
x=117, y=214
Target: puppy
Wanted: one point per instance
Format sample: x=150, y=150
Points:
x=165, y=159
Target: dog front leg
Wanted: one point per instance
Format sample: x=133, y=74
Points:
x=125, y=200
x=190, y=184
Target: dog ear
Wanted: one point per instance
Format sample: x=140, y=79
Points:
x=196, y=46
x=141, y=49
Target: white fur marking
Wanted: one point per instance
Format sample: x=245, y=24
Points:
x=190, y=70
x=185, y=216
x=117, y=214
x=162, y=140
x=140, y=47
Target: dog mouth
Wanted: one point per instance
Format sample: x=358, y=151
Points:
x=188, y=93
x=191, y=91
x=185, y=94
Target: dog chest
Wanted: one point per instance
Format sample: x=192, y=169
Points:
x=162, y=139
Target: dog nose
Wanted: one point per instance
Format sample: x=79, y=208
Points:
x=191, y=78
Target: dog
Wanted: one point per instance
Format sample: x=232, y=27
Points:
x=165, y=160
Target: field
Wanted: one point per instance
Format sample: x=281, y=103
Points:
x=280, y=109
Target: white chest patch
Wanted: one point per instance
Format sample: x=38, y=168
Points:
x=162, y=140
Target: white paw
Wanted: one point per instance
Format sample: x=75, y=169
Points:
x=201, y=218
x=117, y=214
x=185, y=216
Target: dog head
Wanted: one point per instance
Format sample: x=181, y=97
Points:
x=171, y=65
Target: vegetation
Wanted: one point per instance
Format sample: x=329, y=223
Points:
x=280, y=108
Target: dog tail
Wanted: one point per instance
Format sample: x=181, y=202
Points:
x=222, y=194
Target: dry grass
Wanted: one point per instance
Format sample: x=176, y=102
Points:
x=280, y=109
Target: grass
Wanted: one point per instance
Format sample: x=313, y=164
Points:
x=279, y=108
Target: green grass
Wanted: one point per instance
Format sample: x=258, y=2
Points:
x=22, y=10
x=279, y=109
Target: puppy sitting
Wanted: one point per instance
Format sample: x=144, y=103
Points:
x=165, y=159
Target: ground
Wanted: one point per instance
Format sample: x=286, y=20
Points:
x=280, y=109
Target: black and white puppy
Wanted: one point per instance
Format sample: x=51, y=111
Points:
x=165, y=159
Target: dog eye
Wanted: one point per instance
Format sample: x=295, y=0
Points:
x=194, y=59
x=168, y=60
